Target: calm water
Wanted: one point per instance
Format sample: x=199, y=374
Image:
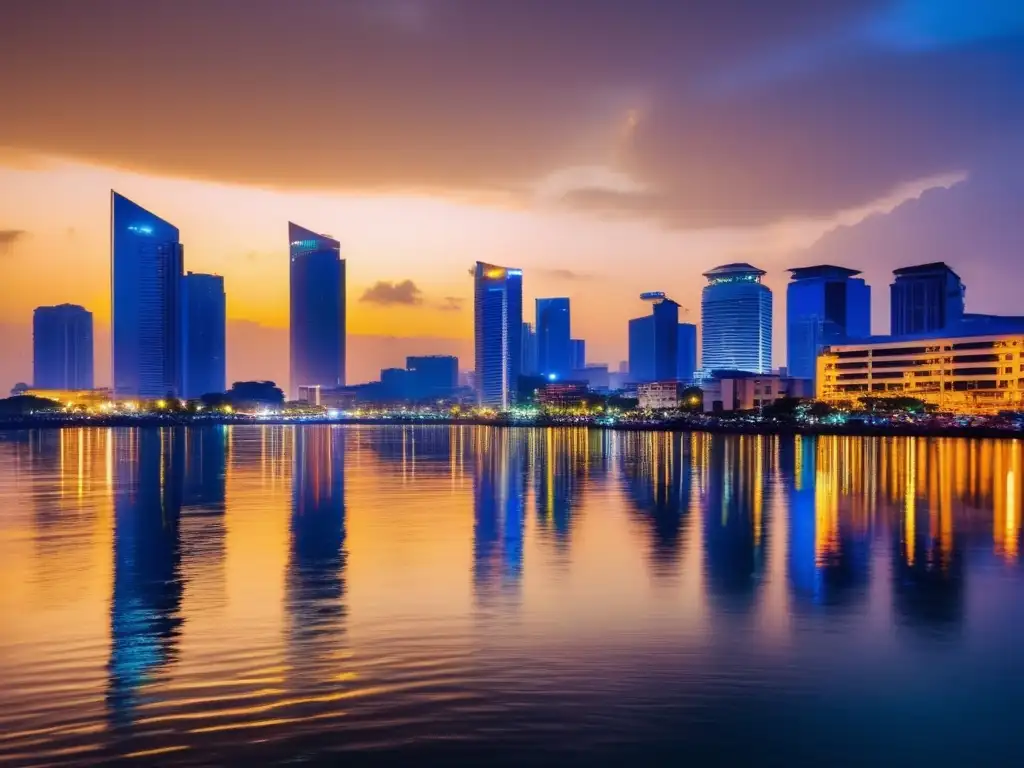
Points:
x=300, y=594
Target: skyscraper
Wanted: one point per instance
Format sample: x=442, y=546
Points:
x=204, y=317
x=498, y=327
x=824, y=305
x=579, y=354
x=554, y=338
x=736, y=320
x=62, y=347
x=529, y=344
x=928, y=297
x=687, y=357
x=654, y=341
x=317, y=310
x=641, y=349
x=432, y=377
x=146, y=268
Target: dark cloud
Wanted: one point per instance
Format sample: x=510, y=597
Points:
x=451, y=304
x=9, y=238
x=385, y=293
x=721, y=111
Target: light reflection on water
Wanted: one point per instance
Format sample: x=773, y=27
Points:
x=278, y=593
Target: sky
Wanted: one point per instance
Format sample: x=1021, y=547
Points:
x=606, y=148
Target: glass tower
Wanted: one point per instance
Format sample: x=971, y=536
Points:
x=204, y=318
x=145, y=271
x=317, y=310
x=432, y=376
x=498, y=327
x=925, y=298
x=654, y=341
x=554, y=338
x=736, y=320
x=641, y=349
x=529, y=344
x=824, y=305
x=62, y=347
x=579, y=354
x=687, y=358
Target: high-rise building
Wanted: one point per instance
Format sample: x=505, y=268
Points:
x=579, y=354
x=529, y=343
x=687, y=356
x=736, y=320
x=317, y=310
x=146, y=264
x=62, y=348
x=554, y=338
x=641, y=349
x=204, y=318
x=498, y=328
x=824, y=305
x=432, y=377
x=925, y=298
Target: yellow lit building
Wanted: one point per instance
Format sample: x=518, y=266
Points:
x=980, y=374
x=85, y=398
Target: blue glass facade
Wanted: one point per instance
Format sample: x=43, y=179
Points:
x=641, y=349
x=554, y=338
x=654, y=343
x=824, y=305
x=204, y=315
x=579, y=354
x=736, y=320
x=146, y=269
x=925, y=298
x=687, y=356
x=498, y=328
x=432, y=377
x=316, y=310
x=62, y=347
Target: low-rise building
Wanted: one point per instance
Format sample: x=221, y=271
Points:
x=563, y=394
x=965, y=373
x=82, y=398
x=660, y=395
x=740, y=391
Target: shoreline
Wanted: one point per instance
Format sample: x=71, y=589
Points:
x=682, y=425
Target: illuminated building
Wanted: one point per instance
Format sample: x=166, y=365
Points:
x=562, y=393
x=529, y=343
x=432, y=377
x=578, y=349
x=963, y=373
x=824, y=305
x=146, y=269
x=86, y=398
x=62, y=347
x=736, y=320
x=498, y=328
x=660, y=395
x=641, y=349
x=554, y=338
x=744, y=391
x=316, y=310
x=204, y=318
x=924, y=299
x=686, y=358
x=654, y=341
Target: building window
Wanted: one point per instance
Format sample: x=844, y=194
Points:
x=768, y=389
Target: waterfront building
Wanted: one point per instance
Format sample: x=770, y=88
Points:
x=204, y=315
x=579, y=354
x=686, y=358
x=62, y=353
x=924, y=299
x=432, y=377
x=554, y=338
x=316, y=310
x=736, y=320
x=660, y=395
x=497, y=330
x=654, y=341
x=962, y=373
x=146, y=263
x=744, y=391
x=529, y=344
x=641, y=349
x=824, y=305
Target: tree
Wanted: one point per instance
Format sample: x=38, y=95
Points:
x=692, y=399
x=783, y=408
x=261, y=392
x=23, y=405
x=819, y=409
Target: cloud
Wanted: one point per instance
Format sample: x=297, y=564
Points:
x=909, y=94
x=9, y=238
x=451, y=304
x=562, y=274
x=386, y=293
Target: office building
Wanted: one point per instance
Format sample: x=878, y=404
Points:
x=654, y=341
x=498, y=328
x=824, y=305
x=641, y=349
x=432, y=377
x=146, y=263
x=204, y=318
x=924, y=299
x=686, y=358
x=554, y=338
x=62, y=348
x=736, y=320
x=529, y=344
x=317, y=310
x=748, y=391
x=660, y=395
x=578, y=354
x=962, y=373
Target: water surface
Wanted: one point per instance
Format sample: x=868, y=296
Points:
x=330, y=594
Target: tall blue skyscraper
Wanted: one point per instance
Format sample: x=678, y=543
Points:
x=687, y=357
x=498, y=328
x=146, y=265
x=736, y=320
x=62, y=347
x=554, y=338
x=641, y=349
x=579, y=354
x=654, y=341
x=928, y=297
x=824, y=305
x=204, y=318
x=316, y=310
x=529, y=344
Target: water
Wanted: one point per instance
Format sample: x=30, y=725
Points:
x=456, y=594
